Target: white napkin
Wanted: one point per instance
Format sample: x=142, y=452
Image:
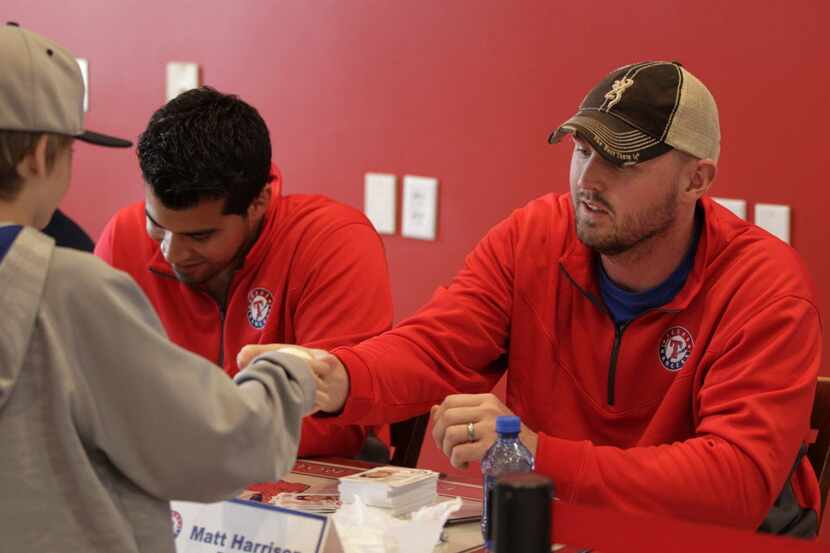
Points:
x=365, y=529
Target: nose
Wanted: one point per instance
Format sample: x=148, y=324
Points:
x=593, y=173
x=173, y=248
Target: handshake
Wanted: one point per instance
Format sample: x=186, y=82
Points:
x=329, y=373
x=464, y=425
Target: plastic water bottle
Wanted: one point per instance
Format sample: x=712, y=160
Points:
x=507, y=454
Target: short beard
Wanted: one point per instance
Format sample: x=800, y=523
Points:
x=234, y=264
x=633, y=231
x=191, y=281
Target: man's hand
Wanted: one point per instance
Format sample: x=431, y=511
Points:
x=451, y=429
x=332, y=381
x=251, y=352
x=330, y=374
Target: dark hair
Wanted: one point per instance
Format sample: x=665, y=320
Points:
x=14, y=146
x=206, y=145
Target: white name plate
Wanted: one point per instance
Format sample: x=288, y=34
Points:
x=238, y=526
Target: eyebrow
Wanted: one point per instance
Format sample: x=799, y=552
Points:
x=188, y=233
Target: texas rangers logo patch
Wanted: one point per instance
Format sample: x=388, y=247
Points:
x=177, y=523
x=675, y=348
x=259, y=307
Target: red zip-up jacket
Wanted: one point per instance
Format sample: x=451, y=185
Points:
x=695, y=410
x=285, y=292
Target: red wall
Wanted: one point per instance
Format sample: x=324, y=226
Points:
x=465, y=91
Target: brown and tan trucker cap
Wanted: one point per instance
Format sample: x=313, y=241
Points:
x=41, y=88
x=643, y=110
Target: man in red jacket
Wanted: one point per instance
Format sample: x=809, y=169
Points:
x=227, y=260
x=661, y=352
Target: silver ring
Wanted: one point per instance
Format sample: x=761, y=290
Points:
x=471, y=432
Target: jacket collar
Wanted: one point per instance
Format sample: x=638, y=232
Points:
x=578, y=261
x=158, y=265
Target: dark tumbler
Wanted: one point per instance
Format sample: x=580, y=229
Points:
x=522, y=513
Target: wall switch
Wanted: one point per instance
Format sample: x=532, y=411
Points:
x=84, y=65
x=420, y=206
x=738, y=207
x=775, y=219
x=181, y=77
x=379, y=201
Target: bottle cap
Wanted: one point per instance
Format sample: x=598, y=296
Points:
x=508, y=425
x=522, y=503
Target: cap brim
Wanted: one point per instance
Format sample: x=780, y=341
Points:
x=104, y=140
x=614, y=139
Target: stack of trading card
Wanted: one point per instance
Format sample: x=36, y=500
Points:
x=396, y=489
x=310, y=502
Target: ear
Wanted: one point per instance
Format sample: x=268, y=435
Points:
x=33, y=164
x=259, y=206
x=702, y=176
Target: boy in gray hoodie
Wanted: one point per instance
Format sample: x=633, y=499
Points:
x=102, y=419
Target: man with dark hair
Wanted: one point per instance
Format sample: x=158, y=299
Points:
x=227, y=260
x=99, y=412
x=661, y=352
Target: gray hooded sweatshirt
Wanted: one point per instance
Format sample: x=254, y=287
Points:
x=103, y=420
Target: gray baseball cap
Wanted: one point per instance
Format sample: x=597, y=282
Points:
x=41, y=88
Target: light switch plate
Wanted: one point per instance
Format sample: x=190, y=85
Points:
x=379, y=201
x=775, y=219
x=420, y=207
x=84, y=65
x=738, y=207
x=181, y=77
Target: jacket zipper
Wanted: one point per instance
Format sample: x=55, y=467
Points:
x=618, y=332
x=612, y=368
x=615, y=349
x=221, y=337
x=219, y=306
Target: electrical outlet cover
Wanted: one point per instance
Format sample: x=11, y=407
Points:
x=84, y=65
x=420, y=207
x=775, y=219
x=181, y=77
x=379, y=201
x=738, y=207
